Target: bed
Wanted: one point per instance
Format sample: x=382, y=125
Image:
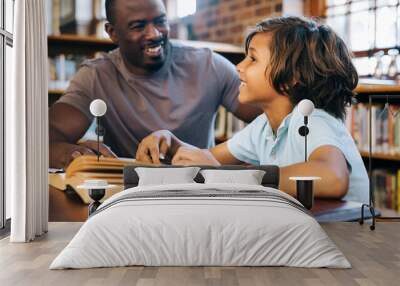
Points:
x=201, y=224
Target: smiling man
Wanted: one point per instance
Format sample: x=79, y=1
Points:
x=148, y=84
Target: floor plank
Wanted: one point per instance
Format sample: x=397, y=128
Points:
x=374, y=255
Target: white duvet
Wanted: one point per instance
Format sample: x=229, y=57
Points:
x=185, y=230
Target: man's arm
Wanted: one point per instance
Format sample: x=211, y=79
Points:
x=247, y=112
x=66, y=126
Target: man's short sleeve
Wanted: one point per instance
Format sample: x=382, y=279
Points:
x=79, y=91
x=230, y=82
x=244, y=144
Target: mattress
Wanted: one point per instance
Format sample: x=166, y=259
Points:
x=201, y=225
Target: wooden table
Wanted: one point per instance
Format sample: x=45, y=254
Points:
x=67, y=206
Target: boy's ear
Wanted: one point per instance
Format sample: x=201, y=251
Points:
x=111, y=32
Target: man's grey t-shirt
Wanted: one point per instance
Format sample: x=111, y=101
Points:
x=183, y=96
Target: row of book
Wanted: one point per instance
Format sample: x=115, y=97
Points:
x=62, y=68
x=385, y=127
x=81, y=17
x=386, y=188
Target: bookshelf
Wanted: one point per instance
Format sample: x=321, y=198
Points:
x=385, y=129
x=88, y=45
x=376, y=87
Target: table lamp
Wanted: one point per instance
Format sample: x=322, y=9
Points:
x=97, y=190
x=306, y=107
x=98, y=108
x=304, y=185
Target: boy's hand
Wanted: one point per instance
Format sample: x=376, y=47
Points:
x=194, y=156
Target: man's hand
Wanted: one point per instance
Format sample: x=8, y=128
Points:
x=159, y=143
x=62, y=154
x=194, y=156
x=104, y=150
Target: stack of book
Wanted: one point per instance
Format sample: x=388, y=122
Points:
x=385, y=128
x=385, y=184
x=89, y=167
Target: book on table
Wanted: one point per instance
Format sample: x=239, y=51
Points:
x=87, y=167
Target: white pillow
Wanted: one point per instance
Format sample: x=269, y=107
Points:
x=248, y=177
x=163, y=176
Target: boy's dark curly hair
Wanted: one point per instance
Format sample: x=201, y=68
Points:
x=309, y=61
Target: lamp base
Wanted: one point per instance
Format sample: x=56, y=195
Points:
x=305, y=193
x=96, y=195
x=372, y=210
x=304, y=190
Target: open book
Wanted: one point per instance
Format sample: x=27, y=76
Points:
x=86, y=168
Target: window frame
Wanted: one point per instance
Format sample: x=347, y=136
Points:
x=172, y=10
x=370, y=51
x=6, y=39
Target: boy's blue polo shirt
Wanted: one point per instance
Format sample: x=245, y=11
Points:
x=257, y=145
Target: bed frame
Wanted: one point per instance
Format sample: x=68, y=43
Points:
x=270, y=179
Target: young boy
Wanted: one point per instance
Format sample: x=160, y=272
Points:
x=288, y=59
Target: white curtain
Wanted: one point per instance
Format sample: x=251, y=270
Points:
x=27, y=124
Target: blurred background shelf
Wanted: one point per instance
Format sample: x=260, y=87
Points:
x=381, y=156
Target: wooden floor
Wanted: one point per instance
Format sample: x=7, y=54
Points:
x=374, y=255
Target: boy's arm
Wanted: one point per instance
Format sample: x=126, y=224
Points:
x=327, y=162
x=219, y=155
x=223, y=156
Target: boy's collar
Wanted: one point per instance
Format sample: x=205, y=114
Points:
x=282, y=127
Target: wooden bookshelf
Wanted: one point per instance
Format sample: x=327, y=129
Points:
x=361, y=89
x=56, y=91
x=89, y=45
x=66, y=39
x=381, y=156
x=105, y=42
x=375, y=87
x=54, y=94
